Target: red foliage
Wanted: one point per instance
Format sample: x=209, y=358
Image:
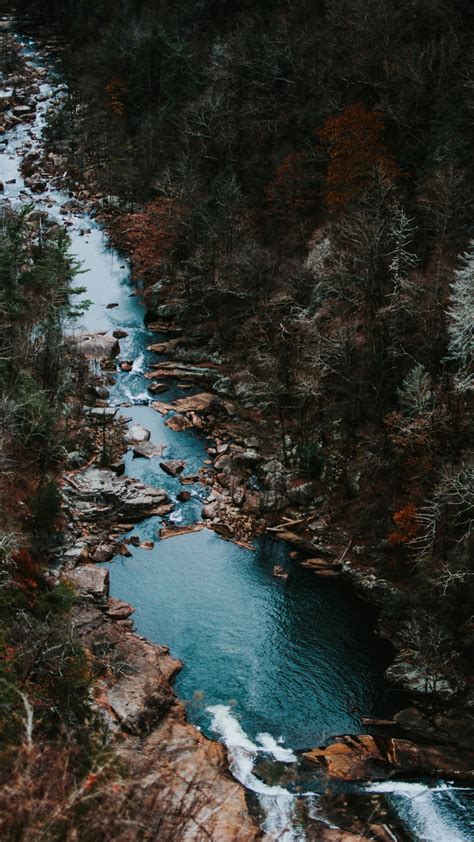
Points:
x=26, y=572
x=150, y=234
x=358, y=156
x=116, y=91
x=408, y=527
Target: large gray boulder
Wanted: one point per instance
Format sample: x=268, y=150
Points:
x=98, y=492
x=90, y=581
x=96, y=346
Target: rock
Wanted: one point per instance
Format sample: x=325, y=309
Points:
x=224, y=387
x=455, y=727
x=161, y=407
x=274, y=501
x=252, y=504
x=120, y=334
x=279, y=572
x=322, y=566
x=106, y=414
x=111, y=306
x=202, y=402
x=189, y=480
x=246, y=457
x=210, y=511
x=169, y=310
x=23, y=110
x=90, y=581
x=187, y=772
x=173, y=531
x=126, y=365
x=136, y=696
x=118, y=610
x=96, y=346
x=75, y=459
x=367, y=757
x=147, y=545
x=173, y=467
x=184, y=496
x=77, y=554
x=178, y=423
x=136, y=434
x=158, y=388
x=97, y=493
x=104, y=552
x=37, y=186
x=148, y=450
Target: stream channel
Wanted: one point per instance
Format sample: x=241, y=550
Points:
x=270, y=665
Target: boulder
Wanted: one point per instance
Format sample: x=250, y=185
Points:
x=22, y=110
x=118, y=610
x=173, y=467
x=103, y=552
x=96, y=346
x=210, y=511
x=367, y=757
x=178, y=423
x=148, y=450
x=224, y=386
x=158, y=388
x=89, y=581
x=252, y=504
x=105, y=414
x=137, y=434
x=96, y=493
x=246, y=457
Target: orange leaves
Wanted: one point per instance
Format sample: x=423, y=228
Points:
x=358, y=156
x=116, y=92
x=408, y=527
x=150, y=234
x=26, y=571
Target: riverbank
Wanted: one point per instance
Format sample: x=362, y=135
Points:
x=217, y=419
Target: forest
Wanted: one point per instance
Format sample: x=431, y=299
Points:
x=300, y=176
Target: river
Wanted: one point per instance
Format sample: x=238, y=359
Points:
x=270, y=665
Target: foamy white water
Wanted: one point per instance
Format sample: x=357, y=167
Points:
x=138, y=365
x=428, y=811
x=277, y=803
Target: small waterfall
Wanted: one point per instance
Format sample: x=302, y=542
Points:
x=277, y=803
x=432, y=814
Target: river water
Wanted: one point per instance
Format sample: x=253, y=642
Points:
x=270, y=665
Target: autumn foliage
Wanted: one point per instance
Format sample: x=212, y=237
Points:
x=116, y=91
x=358, y=156
x=407, y=524
x=149, y=235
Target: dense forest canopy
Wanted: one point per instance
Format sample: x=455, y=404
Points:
x=300, y=176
